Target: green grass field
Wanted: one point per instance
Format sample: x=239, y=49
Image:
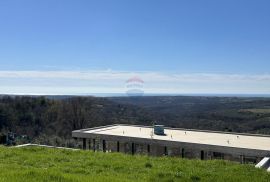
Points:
x=43, y=164
x=256, y=111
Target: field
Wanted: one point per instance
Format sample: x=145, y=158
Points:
x=257, y=111
x=42, y=164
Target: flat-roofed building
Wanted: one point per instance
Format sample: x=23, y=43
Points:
x=186, y=143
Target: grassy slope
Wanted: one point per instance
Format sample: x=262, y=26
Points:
x=41, y=164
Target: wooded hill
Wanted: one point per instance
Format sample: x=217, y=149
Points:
x=51, y=120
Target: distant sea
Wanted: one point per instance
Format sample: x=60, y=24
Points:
x=144, y=95
x=158, y=94
x=202, y=95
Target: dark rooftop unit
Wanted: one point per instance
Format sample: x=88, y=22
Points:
x=159, y=130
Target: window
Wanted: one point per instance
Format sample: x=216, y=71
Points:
x=183, y=153
x=133, y=148
x=118, y=146
x=218, y=155
x=89, y=144
x=84, y=143
x=202, y=155
x=148, y=148
x=94, y=144
x=104, y=145
x=165, y=150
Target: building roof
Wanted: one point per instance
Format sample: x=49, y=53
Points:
x=249, y=141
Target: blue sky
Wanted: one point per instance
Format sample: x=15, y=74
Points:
x=156, y=40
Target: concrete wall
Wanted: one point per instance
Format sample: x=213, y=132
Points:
x=156, y=148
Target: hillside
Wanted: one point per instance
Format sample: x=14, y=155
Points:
x=42, y=164
x=50, y=120
x=233, y=114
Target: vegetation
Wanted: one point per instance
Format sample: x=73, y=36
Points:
x=257, y=111
x=43, y=164
x=50, y=120
x=208, y=113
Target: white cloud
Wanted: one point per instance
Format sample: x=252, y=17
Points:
x=109, y=81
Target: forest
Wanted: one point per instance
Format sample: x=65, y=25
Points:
x=50, y=120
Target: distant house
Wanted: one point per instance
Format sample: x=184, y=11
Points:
x=185, y=143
